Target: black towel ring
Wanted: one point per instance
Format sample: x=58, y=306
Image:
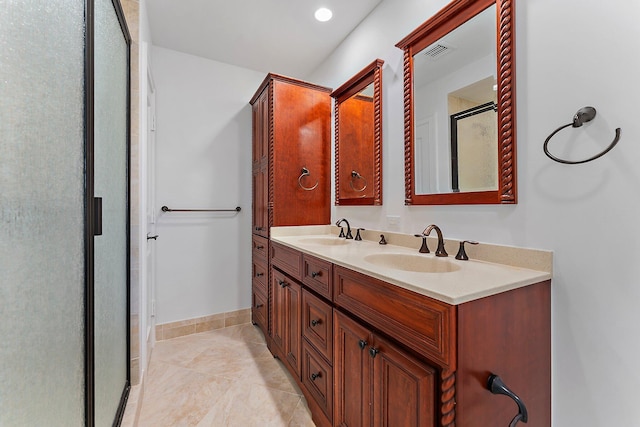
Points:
x=583, y=115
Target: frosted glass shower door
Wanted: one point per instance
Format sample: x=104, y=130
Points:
x=111, y=130
x=42, y=223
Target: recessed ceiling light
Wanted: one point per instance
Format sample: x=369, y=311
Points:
x=323, y=14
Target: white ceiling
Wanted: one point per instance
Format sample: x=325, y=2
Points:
x=279, y=36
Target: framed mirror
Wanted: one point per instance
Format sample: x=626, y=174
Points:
x=459, y=106
x=358, y=133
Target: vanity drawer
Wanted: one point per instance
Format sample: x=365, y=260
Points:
x=317, y=324
x=417, y=321
x=317, y=377
x=287, y=259
x=259, y=309
x=317, y=275
x=260, y=246
x=260, y=271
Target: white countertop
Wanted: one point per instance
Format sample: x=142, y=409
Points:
x=471, y=280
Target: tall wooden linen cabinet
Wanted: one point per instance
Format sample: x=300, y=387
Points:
x=291, y=172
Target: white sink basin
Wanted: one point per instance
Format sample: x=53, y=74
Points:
x=417, y=263
x=326, y=241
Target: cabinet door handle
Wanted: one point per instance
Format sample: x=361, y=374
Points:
x=258, y=228
x=259, y=305
x=282, y=283
x=373, y=352
x=315, y=322
x=362, y=344
x=259, y=274
x=260, y=247
x=315, y=376
x=315, y=274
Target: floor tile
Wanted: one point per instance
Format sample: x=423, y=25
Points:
x=225, y=377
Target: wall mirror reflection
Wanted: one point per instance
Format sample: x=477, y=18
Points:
x=358, y=133
x=459, y=91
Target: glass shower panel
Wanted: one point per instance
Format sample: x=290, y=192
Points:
x=111, y=251
x=42, y=250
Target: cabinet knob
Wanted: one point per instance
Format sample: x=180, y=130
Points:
x=282, y=283
x=314, y=376
x=315, y=274
x=362, y=344
x=315, y=322
x=373, y=352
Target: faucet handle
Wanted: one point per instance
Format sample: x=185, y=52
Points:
x=358, y=237
x=424, y=249
x=382, y=241
x=462, y=255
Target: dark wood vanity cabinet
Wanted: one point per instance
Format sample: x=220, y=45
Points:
x=507, y=334
x=290, y=169
x=375, y=354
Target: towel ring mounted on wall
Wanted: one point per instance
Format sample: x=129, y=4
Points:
x=583, y=115
x=354, y=176
x=305, y=172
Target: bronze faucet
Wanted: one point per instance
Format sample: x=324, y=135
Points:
x=440, y=251
x=349, y=235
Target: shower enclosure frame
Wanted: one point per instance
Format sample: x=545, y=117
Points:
x=93, y=215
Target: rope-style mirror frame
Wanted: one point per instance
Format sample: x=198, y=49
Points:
x=447, y=19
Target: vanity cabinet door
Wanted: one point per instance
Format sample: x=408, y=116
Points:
x=403, y=387
x=286, y=313
x=352, y=372
x=377, y=383
x=278, y=320
x=293, y=336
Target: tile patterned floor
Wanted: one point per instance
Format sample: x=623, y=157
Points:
x=220, y=378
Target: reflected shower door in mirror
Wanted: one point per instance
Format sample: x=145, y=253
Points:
x=459, y=106
x=358, y=132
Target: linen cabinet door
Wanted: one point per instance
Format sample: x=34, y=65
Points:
x=352, y=372
x=403, y=387
x=260, y=208
x=261, y=129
